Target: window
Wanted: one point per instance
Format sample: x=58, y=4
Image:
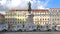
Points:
x=14, y=14
x=43, y=19
x=53, y=19
x=23, y=22
x=32, y=26
x=40, y=19
x=20, y=22
x=57, y=19
x=44, y=23
x=14, y=22
x=6, y=19
x=6, y=22
x=48, y=18
x=36, y=22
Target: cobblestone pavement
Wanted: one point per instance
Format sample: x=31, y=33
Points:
x=29, y=32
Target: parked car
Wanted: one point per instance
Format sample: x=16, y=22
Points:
x=58, y=27
x=30, y=27
x=4, y=27
x=17, y=28
x=1, y=28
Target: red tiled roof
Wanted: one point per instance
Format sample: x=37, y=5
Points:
x=54, y=8
x=42, y=10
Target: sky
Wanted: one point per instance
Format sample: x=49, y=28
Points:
x=23, y=4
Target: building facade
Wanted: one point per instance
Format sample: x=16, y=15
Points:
x=16, y=17
x=2, y=19
x=54, y=16
x=40, y=17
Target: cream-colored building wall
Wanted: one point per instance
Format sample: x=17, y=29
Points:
x=41, y=19
x=54, y=17
x=18, y=15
